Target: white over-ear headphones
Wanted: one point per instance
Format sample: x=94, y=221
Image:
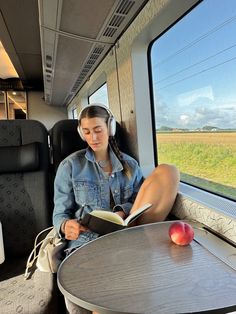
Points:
x=111, y=123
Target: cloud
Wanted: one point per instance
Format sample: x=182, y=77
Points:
x=189, y=98
x=219, y=116
x=195, y=110
x=185, y=119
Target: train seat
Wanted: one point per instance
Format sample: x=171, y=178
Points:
x=24, y=212
x=65, y=140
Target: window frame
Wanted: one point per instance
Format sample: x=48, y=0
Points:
x=153, y=106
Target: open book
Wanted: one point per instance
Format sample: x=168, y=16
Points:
x=2, y=255
x=103, y=222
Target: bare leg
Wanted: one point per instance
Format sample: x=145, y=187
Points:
x=159, y=189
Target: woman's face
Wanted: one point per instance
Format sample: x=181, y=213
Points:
x=95, y=132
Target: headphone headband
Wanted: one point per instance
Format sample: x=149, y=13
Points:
x=95, y=105
x=111, y=123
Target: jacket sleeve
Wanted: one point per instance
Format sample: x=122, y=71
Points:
x=64, y=199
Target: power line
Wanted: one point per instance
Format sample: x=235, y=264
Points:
x=213, y=30
x=195, y=64
x=195, y=74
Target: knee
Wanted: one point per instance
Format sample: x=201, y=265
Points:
x=164, y=176
x=169, y=172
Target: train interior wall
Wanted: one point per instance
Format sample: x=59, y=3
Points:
x=129, y=96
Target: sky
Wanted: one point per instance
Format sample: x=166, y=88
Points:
x=100, y=96
x=194, y=69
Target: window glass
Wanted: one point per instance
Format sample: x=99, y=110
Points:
x=74, y=113
x=13, y=105
x=194, y=73
x=16, y=105
x=100, y=96
x=3, y=108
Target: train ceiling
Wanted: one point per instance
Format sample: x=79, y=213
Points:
x=55, y=45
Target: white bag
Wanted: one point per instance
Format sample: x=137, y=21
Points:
x=49, y=251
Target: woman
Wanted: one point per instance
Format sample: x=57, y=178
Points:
x=101, y=177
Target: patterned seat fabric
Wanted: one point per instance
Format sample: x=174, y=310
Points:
x=24, y=211
x=36, y=295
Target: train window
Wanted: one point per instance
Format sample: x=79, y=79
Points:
x=74, y=113
x=100, y=96
x=193, y=79
x=3, y=108
x=13, y=105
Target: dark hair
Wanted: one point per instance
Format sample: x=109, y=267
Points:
x=94, y=112
x=118, y=153
x=100, y=112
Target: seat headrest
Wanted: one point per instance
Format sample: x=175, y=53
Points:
x=70, y=143
x=22, y=158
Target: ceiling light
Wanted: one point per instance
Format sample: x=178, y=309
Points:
x=7, y=69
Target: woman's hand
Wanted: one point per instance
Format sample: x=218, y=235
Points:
x=121, y=214
x=72, y=229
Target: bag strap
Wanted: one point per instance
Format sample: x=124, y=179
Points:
x=30, y=262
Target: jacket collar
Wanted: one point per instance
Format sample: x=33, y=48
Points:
x=116, y=164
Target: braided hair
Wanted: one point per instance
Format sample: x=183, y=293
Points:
x=116, y=150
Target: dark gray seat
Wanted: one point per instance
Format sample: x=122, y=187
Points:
x=65, y=140
x=24, y=211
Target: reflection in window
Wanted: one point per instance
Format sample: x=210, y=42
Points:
x=13, y=105
x=3, y=108
x=100, y=96
x=74, y=113
x=17, y=108
x=194, y=75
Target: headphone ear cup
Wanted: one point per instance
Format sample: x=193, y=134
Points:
x=112, y=126
x=80, y=133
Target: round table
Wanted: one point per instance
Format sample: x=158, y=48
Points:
x=139, y=270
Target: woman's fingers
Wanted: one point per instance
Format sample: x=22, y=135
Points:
x=73, y=229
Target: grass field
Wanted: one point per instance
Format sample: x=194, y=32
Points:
x=204, y=159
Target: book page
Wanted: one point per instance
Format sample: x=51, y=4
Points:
x=109, y=216
x=136, y=214
x=2, y=255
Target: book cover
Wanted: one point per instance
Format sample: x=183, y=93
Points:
x=103, y=222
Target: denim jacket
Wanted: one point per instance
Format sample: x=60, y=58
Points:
x=81, y=186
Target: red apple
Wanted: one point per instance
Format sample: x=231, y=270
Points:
x=181, y=233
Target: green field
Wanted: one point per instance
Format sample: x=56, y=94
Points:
x=204, y=159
